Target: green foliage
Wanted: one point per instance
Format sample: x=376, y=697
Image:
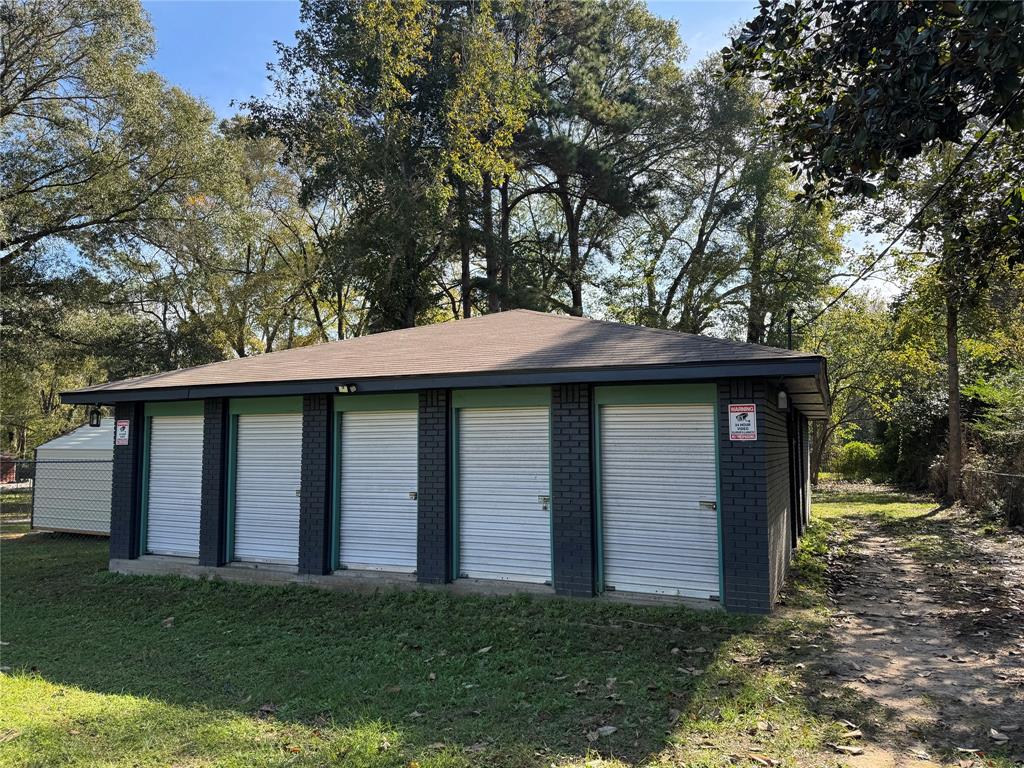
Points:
x=862, y=86
x=857, y=461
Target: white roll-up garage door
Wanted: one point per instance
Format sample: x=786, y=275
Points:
x=175, y=485
x=503, y=496
x=377, y=490
x=658, y=494
x=268, y=462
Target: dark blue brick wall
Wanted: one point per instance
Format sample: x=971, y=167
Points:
x=212, y=516
x=755, y=499
x=434, y=518
x=774, y=430
x=315, y=492
x=125, y=508
x=572, y=505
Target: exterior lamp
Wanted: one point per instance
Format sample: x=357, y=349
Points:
x=783, y=401
x=95, y=416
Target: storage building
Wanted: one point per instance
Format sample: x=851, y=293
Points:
x=518, y=451
x=71, y=487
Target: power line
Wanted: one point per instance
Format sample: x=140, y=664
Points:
x=920, y=211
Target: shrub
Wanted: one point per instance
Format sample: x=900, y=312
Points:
x=857, y=461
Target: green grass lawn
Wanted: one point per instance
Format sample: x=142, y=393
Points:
x=111, y=670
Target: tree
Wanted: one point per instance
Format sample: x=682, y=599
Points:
x=862, y=86
x=91, y=146
x=374, y=99
x=613, y=106
x=728, y=244
x=856, y=337
x=972, y=231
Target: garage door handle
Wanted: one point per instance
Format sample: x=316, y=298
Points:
x=412, y=495
x=709, y=505
x=544, y=501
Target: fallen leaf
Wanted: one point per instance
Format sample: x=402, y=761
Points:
x=9, y=734
x=997, y=735
x=604, y=730
x=485, y=649
x=293, y=748
x=167, y=623
x=432, y=676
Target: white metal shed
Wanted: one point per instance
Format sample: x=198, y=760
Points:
x=72, y=486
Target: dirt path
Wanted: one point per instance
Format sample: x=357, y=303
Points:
x=934, y=636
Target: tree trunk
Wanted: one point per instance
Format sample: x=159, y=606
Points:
x=490, y=252
x=466, y=289
x=505, y=246
x=341, y=312
x=954, y=458
x=820, y=435
x=755, y=308
x=574, y=274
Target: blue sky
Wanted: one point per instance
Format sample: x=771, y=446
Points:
x=218, y=49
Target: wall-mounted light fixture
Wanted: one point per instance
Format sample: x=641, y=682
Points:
x=95, y=416
x=346, y=389
x=783, y=400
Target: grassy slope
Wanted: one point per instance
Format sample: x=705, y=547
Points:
x=102, y=675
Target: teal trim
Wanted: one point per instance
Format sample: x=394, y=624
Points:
x=229, y=534
x=150, y=410
x=254, y=405
x=246, y=407
x=144, y=501
x=397, y=402
x=718, y=510
x=336, y=495
x=655, y=394
x=175, y=408
x=502, y=397
x=652, y=394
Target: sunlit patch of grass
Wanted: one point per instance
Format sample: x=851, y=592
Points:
x=161, y=671
x=46, y=724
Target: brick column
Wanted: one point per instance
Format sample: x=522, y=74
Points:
x=315, y=494
x=212, y=509
x=434, y=518
x=572, y=535
x=126, y=488
x=755, y=499
x=744, y=504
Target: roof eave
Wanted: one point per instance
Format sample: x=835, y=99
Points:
x=804, y=366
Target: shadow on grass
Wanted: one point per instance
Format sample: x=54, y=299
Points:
x=515, y=677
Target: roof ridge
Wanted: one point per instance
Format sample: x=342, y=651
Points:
x=667, y=331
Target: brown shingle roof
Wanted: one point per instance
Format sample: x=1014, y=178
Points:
x=519, y=340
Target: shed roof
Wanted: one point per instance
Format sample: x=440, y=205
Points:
x=84, y=438
x=506, y=348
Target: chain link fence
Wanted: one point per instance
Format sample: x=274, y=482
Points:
x=66, y=496
x=1002, y=492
